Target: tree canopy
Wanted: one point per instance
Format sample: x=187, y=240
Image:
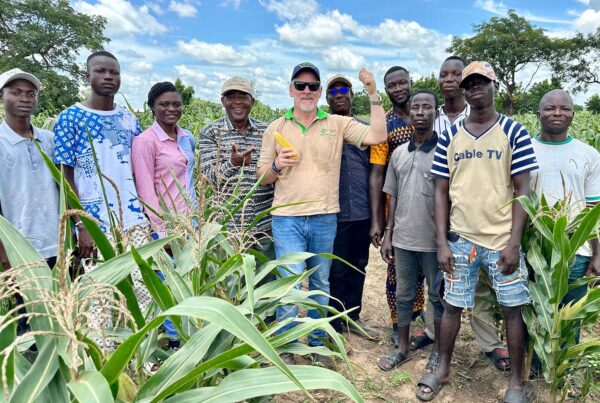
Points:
x=510, y=44
x=44, y=38
x=578, y=61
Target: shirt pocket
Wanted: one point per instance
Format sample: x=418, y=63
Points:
x=428, y=185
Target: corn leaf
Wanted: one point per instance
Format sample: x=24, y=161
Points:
x=39, y=375
x=91, y=387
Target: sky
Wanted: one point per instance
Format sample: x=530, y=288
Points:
x=206, y=42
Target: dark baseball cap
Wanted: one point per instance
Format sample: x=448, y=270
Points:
x=306, y=66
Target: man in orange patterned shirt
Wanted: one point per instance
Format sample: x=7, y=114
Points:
x=398, y=88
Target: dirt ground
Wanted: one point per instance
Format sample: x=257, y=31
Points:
x=473, y=377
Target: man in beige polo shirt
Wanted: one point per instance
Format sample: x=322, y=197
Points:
x=310, y=172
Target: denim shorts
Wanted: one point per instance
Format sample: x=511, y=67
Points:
x=511, y=290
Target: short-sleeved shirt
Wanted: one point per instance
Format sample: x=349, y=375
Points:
x=28, y=192
x=575, y=162
x=215, y=143
x=157, y=161
x=399, y=132
x=409, y=179
x=111, y=133
x=354, y=183
x=442, y=122
x=480, y=170
x=316, y=178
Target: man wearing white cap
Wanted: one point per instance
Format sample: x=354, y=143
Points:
x=28, y=193
x=229, y=149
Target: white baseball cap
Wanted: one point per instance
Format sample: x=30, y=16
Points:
x=18, y=74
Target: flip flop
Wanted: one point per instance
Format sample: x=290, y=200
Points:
x=516, y=396
x=498, y=355
x=420, y=340
x=392, y=360
x=433, y=383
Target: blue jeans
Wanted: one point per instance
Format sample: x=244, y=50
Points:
x=315, y=234
x=511, y=289
x=167, y=324
x=577, y=270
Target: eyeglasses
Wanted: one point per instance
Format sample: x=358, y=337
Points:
x=339, y=90
x=312, y=86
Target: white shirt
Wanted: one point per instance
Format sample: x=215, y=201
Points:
x=28, y=192
x=442, y=122
x=579, y=165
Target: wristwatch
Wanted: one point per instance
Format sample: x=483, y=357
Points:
x=376, y=101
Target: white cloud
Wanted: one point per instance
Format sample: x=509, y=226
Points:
x=342, y=59
x=499, y=8
x=321, y=30
x=140, y=67
x=189, y=74
x=216, y=53
x=183, y=9
x=234, y=3
x=122, y=17
x=588, y=21
x=156, y=8
x=291, y=9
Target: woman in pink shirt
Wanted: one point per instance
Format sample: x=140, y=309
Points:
x=162, y=152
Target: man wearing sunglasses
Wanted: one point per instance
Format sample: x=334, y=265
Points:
x=310, y=172
x=353, y=221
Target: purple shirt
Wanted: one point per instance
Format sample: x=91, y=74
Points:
x=156, y=158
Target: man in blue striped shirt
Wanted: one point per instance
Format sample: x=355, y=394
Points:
x=479, y=164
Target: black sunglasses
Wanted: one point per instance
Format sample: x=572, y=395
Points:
x=312, y=86
x=340, y=90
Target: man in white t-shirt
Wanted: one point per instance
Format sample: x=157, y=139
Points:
x=562, y=157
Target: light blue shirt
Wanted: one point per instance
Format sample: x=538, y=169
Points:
x=28, y=192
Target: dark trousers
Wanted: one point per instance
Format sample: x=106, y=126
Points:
x=346, y=284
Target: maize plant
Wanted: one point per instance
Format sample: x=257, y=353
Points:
x=228, y=351
x=551, y=242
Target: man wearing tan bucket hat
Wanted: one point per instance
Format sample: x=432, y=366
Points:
x=229, y=149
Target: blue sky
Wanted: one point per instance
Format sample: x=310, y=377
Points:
x=206, y=42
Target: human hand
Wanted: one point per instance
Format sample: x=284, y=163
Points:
x=287, y=157
x=368, y=81
x=445, y=259
x=387, y=250
x=85, y=244
x=376, y=233
x=509, y=259
x=239, y=158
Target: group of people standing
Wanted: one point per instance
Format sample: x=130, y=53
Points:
x=429, y=185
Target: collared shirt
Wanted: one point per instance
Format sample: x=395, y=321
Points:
x=480, y=171
x=215, y=144
x=28, y=192
x=570, y=168
x=354, y=183
x=111, y=133
x=157, y=160
x=399, y=132
x=316, y=178
x=409, y=180
x=442, y=122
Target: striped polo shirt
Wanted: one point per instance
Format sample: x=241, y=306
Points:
x=480, y=171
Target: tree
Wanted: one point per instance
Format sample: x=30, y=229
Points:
x=428, y=83
x=531, y=102
x=510, y=44
x=579, y=61
x=186, y=91
x=44, y=37
x=593, y=104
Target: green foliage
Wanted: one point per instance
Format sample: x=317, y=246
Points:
x=593, y=104
x=578, y=60
x=361, y=104
x=509, y=44
x=214, y=293
x=186, y=91
x=44, y=37
x=428, y=83
x=551, y=242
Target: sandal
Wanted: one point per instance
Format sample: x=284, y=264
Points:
x=392, y=360
x=433, y=363
x=516, y=396
x=499, y=356
x=420, y=340
x=432, y=382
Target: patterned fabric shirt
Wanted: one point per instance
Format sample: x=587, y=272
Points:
x=111, y=133
x=214, y=145
x=398, y=133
